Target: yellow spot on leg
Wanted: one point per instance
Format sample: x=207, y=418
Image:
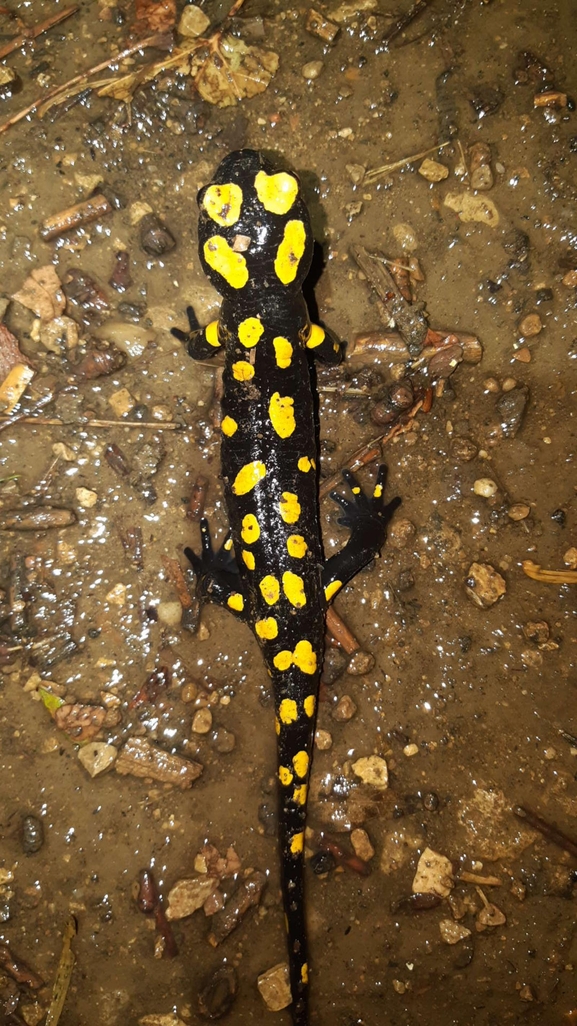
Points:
x=249, y=331
x=290, y=507
x=285, y=776
x=222, y=259
x=248, y=559
x=300, y=794
x=301, y=764
x=304, y=657
x=288, y=711
x=281, y=413
x=305, y=973
x=296, y=546
x=248, y=476
x=270, y=589
x=211, y=334
x=277, y=193
x=229, y=426
x=316, y=337
x=242, y=370
x=266, y=629
x=378, y=491
x=290, y=251
x=283, y=660
x=305, y=464
x=293, y=587
x=236, y=602
x=297, y=843
x=309, y=705
x=222, y=203
x=331, y=589
x=283, y=351
x=250, y=531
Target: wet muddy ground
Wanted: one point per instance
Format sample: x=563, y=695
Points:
x=464, y=703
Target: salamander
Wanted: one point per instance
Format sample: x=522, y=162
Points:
x=255, y=246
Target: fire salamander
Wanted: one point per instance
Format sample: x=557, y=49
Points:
x=256, y=245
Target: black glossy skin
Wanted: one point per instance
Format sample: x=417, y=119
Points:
x=278, y=581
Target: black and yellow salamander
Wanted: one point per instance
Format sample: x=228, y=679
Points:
x=256, y=245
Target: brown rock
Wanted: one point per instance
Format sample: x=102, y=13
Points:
x=345, y=709
x=484, y=585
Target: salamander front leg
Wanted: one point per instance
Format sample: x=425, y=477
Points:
x=201, y=343
x=217, y=576
x=323, y=344
x=367, y=518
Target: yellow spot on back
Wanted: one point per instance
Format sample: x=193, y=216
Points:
x=222, y=203
x=296, y=546
x=249, y=331
x=281, y=413
x=290, y=507
x=293, y=587
x=228, y=426
x=290, y=251
x=297, y=843
x=248, y=476
x=283, y=351
x=331, y=589
x=305, y=464
x=301, y=764
x=267, y=628
x=248, y=559
x=211, y=334
x=242, y=370
x=305, y=973
x=285, y=776
x=270, y=589
x=304, y=657
x=236, y=602
x=283, y=660
x=232, y=266
x=309, y=705
x=250, y=531
x=316, y=337
x=300, y=794
x=378, y=491
x=288, y=711
x=277, y=193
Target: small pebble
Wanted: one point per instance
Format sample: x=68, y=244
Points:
x=523, y=355
x=311, y=70
x=323, y=740
x=169, y=613
x=189, y=691
x=401, y=532
x=485, y=486
x=463, y=449
x=570, y=558
x=531, y=659
x=97, y=757
x=570, y=279
x=224, y=741
x=433, y=171
x=550, y=754
x=356, y=172
x=530, y=325
x=32, y=835
x=372, y=769
x=508, y=384
x=430, y=801
x=345, y=709
x=452, y=932
x=117, y=595
x=482, y=178
x=202, y=721
x=155, y=238
x=86, y=498
x=537, y=631
x=526, y=994
x=193, y=22
x=410, y=750
x=518, y=511
x=484, y=585
x=491, y=385
x=334, y=665
x=362, y=846
x=360, y=663
x=274, y=987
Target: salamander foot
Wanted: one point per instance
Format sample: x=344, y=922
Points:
x=217, y=576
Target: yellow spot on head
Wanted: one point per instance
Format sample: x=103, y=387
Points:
x=248, y=476
x=283, y=352
x=331, y=589
x=281, y=413
x=304, y=657
x=296, y=546
x=309, y=705
x=300, y=794
x=305, y=464
x=293, y=587
x=378, y=491
x=290, y=251
x=232, y=266
x=211, y=334
x=316, y=337
x=248, y=559
x=288, y=711
x=301, y=764
x=285, y=776
x=266, y=629
x=305, y=973
x=297, y=843
x=228, y=426
x=236, y=602
x=290, y=507
x=270, y=589
x=250, y=531
x=249, y=331
x=283, y=660
x=242, y=370
x=222, y=203
x=277, y=193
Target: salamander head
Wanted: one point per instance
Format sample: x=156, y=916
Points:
x=254, y=228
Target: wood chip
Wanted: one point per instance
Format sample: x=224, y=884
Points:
x=140, y=758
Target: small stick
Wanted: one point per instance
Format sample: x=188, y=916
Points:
x=74, y=217
x=549, y=832
x=534, y=571
x=377, y=172
x=37, y=30
x=569, y=738
x=341, y=632
x=483, y=881
x=401, y=23
x=155, y=425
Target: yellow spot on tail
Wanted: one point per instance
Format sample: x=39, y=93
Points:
x=248, y=559
x=281, y=413
x=304, y=657
x=283, y=660
x=248, y=476
x=297, y=843
x=242, y=370
x=316, y=337
x=277, y=193
x=211, y=334
x=305, y=973
x=301, y=764
x=249, y=331
x=285, y=776
x=378, y=491
x=283, y=351
x=236, y=602
x=266, y=629
x=250, y=531
x=290, y=251
x=293, y=587
x=288, y=711
x=332, y=588
x=305, y=464
x=232, y=266
x=270, y=589
x=309, y=705
x=300, y=794
x=222, y=203
x=229, y=426
x=296, y=546
x=290, y=507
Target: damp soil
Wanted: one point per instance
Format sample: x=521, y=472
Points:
x=464, y=703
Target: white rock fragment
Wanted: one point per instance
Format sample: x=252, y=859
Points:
x=372, y=769
x=193, y=22
x=64, y=452
x=362, y=846
x=311, y=70
x=434, y=874
x=86, y=498
x=171, y=1019
x=323, y=740
x=484, y=585
x=97, y=757
x=452, y=932
x=122, y=402
x=274, y=987
x=169, y=613
x=473, y=208
x=117, y=595
x=348, y=11
x=433, y=171
x=485, y=486
x=410, y=750
x=202, y=721
x=189, y=895
x=406, y=237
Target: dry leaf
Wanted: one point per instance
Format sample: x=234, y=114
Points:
x=80, y=722
x=232, y=70
x=10, y=352
x=42, y=293
x=152, y=16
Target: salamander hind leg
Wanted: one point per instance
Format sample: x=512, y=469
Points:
x=217, y=576
x=367, y=518
x=201, y=343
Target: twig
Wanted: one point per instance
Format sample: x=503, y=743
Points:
x=38, y=30
x=154, y=425
x=377, y=172
x=340, y=632
x=401, y=23
x=569, y=738
x=550, y=832
x=534, y=571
